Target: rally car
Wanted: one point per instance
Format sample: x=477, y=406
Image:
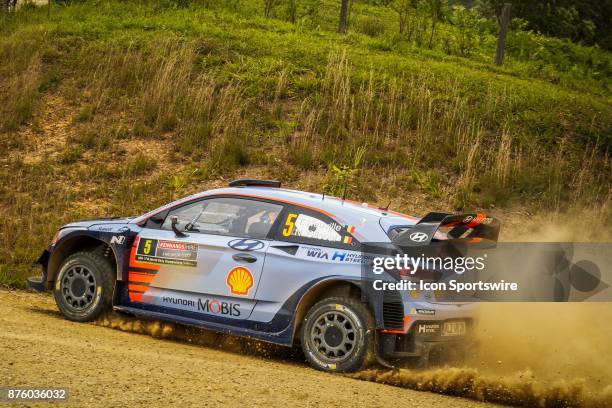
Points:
x=256, y=260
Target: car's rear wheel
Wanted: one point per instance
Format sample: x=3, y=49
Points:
x=338, y=335
x=84, y=286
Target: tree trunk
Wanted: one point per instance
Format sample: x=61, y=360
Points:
x=403, y=18
x=268, y=4
x=434, y=20
x=433, y=30
x=292, y=11
x=343, y=16
x=503, y=30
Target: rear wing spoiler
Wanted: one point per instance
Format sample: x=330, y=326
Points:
x=469, y=228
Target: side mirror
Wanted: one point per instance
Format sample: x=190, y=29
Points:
x=174, y=221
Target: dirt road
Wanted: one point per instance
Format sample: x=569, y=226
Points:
x=105, y=367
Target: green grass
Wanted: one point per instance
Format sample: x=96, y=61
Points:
x=113, y=108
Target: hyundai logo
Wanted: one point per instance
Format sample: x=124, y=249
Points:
x=246, y=244
x=419, y=237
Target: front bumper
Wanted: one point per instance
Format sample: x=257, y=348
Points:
x=39, y=283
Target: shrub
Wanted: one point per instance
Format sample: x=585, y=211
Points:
x=370, y=26
x=140, y=165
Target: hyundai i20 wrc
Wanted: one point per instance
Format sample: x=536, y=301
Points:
x=256, y=260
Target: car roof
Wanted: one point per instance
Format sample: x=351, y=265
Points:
x=319, y=202
x=332, y=206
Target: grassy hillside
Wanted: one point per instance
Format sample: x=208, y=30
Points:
x=113, y=108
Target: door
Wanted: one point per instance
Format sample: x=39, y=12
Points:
x=308, y=246
x=213, y=271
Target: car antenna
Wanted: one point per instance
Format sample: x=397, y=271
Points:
x=387, y=207
x=323, y=197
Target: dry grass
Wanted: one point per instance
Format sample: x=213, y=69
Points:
x=135, y=124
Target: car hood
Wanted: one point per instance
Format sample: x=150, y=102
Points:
x=86, y=224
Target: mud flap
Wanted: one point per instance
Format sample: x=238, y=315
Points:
x=379, y=359
x=423, y=359
x=36, y=283
x=39, y=283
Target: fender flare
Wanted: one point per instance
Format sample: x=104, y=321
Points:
x=119, y=243
x=311, y=295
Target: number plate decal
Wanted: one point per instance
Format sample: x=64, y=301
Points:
x=453, y=329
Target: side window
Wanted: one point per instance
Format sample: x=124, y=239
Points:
x=308, y=227
x=226, y=216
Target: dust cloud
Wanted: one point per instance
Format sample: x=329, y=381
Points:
x=187, y=334
x=531, y=354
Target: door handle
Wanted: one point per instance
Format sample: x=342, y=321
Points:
x=244, y=258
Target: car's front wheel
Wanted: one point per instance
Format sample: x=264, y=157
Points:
x=338, y=335
x=84, y=286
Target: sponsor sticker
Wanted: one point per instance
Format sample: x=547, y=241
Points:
x=246, y=244
x=419, y=237
x=240, y=280
x=332, y=255
x=477, y=220
x=117, y=239
x=215, y=306
x=306, y=226
x=167, y=252
x=208, y=306
x=428, y=328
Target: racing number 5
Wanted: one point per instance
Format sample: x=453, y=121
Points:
x=289, y=224
x=147, y=247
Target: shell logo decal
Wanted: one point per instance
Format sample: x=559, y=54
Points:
x=240, y=280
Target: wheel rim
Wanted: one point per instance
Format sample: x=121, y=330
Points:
x=334, y=335
x=78, y=287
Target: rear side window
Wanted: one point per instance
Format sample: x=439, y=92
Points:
x=304, y=226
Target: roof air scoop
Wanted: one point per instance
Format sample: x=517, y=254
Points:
x=255, y=183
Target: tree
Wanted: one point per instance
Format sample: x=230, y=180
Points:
x=504, y=22
x=435, y=7
x=8, y=5
x=343, y=23
x=586, y=21
x=402, y=8
x=292, y=10
x=467, y=23
x=268, y=7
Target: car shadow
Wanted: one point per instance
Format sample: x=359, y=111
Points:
x=46, y=312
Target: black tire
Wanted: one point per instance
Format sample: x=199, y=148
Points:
x=327, y=341
x=84, y=286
